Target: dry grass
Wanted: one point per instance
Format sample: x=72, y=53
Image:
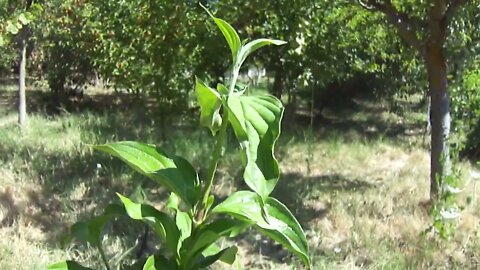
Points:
x=360, y=191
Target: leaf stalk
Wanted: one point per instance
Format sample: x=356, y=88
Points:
x=217, y=153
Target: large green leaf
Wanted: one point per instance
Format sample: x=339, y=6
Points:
x=173, y=202
x=256, y=122
x=285, y=229
x=272, y=218
x=229, y=33
x=213, y=231
x=67, y=265
x=184, y=225
x=254, y=45
x=208, y=234
x=182, y=219
x=210, y=103
x=174, y=172
x=161, y=223
x=227, y=255
x=158, y=262
x=150, y=264
x=91, y=231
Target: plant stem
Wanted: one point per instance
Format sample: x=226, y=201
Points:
x=104, y=258
x=233, y=78
x=217, y=152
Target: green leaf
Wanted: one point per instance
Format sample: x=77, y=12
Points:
x=287, y=229
x=174, y=172
x=227, y=255
x=22, y=18
x=173, y=202
x=36, y=8
x=243, y=205
x=11, y=28
x=161, y=223
x=240, y=88
x=114, y=210
x=67, y=265
x=183, y=220
x=210, y=201
x=222, y=89
x=91, y=231
x=211, y=250
x=184, y=225
x=208, y=234
x=271, y=218
x=150, y=264
x=158, y=262
x=254, y=45
x=213, y=231
x=29, y=16
x=229, y=33
x=256, y=122
x=210, y=104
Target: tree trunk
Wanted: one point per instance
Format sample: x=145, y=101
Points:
x=439, y=116
x=22, y=105
x=278, y=82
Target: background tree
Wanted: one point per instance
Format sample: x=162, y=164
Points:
x=147, y=47
x=334, y=53
x=66, y=45
x=425, y=27
x=16, y=17
x=464, y=65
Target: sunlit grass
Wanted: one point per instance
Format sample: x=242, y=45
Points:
x=359, y=186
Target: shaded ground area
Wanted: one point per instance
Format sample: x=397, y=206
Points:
x=42, y=101
x=367, y=119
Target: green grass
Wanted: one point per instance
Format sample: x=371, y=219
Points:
x=358, y=184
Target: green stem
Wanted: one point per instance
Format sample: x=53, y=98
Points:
x=104, y=258
x=233, y=78
x=217, y=152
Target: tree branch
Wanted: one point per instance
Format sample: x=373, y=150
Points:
x=365, y=5
x=400, y=21
x=29, y=4
x=437, y=22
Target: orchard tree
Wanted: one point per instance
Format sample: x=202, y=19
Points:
x=329, y=42
x=66, y=45
x=424, y=25
x=147, y=47
x=16, y=19
x=132, y=46
x=342, y=44
x=464, y=52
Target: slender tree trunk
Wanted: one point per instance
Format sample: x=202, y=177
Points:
x=439, y=116
x=439, y=14
x=22, y=105
x=278, y=82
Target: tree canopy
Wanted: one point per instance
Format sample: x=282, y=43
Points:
x=155, y=48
